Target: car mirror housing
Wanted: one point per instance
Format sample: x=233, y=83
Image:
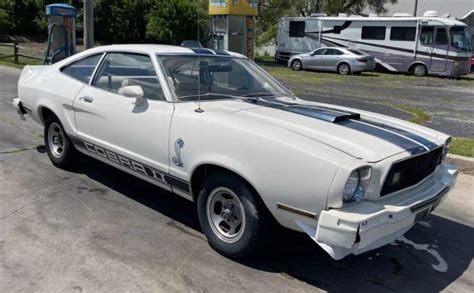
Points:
x=131, y=91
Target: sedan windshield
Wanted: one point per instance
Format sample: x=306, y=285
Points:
x=460, y=38
x=215, y=77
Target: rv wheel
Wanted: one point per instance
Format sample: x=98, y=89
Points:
x=419, y=70
x=296, y=65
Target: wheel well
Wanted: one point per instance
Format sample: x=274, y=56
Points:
x=45, y=113
x=412, y=67
x=202, y=172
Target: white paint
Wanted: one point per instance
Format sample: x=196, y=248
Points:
x=442, y=265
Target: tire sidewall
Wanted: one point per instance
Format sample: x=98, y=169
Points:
x=249, y=241
x=66, y=159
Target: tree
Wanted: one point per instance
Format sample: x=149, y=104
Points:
x=172, y=21
x=25, y=17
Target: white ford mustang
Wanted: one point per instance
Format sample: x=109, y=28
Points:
x=214, y=128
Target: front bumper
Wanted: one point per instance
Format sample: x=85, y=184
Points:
x=371, y=224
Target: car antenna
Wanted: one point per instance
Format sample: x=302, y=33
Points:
x=199, y=109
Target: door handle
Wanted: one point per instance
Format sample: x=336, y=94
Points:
x=86, y=99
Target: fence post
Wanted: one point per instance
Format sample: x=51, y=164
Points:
x=15, y=53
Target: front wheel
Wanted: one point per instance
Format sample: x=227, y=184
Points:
x=420, y=70
x=231, y=217
x=60, y=150
x=344, y=69
x=296, y=65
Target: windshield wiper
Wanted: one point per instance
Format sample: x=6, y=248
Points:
x=260, y=94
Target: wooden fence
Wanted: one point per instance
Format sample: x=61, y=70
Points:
x=16, y=52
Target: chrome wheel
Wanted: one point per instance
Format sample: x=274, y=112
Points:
x=343, y=68
x=225, y=213
x=56, y=140
x=296, y=65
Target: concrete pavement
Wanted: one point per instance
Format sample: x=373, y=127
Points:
x=99, y=229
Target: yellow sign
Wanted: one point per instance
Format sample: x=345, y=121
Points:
x=233, y=7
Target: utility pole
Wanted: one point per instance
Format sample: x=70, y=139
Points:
x=416, y=8
x=88, y=24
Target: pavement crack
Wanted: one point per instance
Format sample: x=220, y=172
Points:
x=15, y=151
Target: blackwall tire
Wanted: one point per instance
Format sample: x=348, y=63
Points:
x=420, y=70
x=60, y=150
x=232, y=218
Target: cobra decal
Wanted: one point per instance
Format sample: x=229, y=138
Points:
x=133, y=165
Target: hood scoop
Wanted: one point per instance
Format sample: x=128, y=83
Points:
x=325, y=114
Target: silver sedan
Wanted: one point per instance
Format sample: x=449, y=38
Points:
x=340, y=60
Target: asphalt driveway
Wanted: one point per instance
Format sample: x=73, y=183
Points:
x=99, y=229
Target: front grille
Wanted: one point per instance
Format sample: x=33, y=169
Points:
x=411, y=171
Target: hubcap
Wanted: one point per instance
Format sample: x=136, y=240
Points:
x=419, y=70
x=225, y=214
x=56, y=140
x=344, y=68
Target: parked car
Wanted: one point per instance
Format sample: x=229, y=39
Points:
x=215, y=128
x=340, y=60
x=191, y=44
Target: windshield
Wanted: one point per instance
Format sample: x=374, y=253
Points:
x=460, y=38
x=214, y=77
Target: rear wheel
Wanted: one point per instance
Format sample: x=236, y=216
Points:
x=420, y=70
x=344, y=69
x=60, y=150
x=296, y=65
x=231, y=217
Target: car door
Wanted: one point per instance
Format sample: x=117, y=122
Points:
x=132, y=133
x=331, y=59
x=315, y=59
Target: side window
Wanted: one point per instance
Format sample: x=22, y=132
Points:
x=82, y=69
x=426, y=36
x=402, y=33
x=441, y=37
x=125, y=69
x=297, y=29
x=319, y=52
x=333, y=52
x=373, y=33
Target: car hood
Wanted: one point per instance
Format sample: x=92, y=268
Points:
x=361, y=134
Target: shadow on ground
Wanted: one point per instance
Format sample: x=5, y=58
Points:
x=396, y=267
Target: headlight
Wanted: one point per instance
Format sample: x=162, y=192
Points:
x=446, y=148
x=356, y=184
x=352, y=184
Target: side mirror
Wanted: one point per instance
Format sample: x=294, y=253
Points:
x=134, y=92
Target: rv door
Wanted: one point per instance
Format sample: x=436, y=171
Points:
x=439, y=51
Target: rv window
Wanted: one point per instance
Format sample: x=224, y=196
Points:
x=373, y=32
x=297, y=29
x=426, y=36
x=441, y=37
x=337, y=29
x=402, y=33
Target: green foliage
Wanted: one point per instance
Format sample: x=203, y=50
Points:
x=173, y=21
x=22, y=17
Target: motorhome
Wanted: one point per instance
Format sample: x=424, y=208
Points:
x=401, y=43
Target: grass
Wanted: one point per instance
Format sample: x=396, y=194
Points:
x=264, y=59
x=462, y=146
x=418, y=116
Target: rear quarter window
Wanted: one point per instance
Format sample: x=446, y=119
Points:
x=82, y=69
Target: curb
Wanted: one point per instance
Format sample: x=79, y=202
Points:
x=466, y=164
